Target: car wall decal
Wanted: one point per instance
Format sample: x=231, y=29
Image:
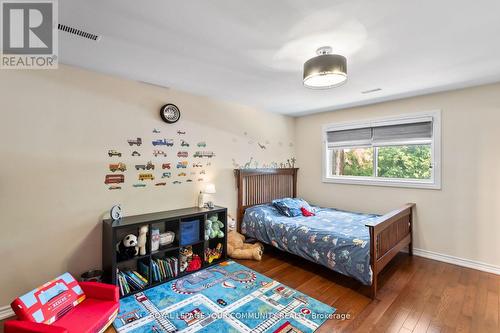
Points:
x=126, y=159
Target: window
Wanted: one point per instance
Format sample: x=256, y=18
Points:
x=403, y=151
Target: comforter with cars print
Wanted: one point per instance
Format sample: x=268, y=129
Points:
x=333, y=238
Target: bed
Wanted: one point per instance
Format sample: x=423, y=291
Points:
x=353, y=244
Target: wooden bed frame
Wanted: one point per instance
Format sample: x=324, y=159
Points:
x=388, y=235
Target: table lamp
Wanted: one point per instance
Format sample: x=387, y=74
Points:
x=209, y=189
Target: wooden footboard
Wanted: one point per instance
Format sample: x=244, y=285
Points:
x=388, y=235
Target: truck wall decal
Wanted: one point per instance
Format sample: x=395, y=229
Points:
x=136, y=142
x=189, y=162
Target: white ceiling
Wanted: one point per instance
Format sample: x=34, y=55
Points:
x=252, y=52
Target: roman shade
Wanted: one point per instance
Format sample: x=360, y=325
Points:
x=417, y=131
x=403, y=132
x=350, y=135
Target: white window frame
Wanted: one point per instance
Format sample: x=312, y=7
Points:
x=433, y=183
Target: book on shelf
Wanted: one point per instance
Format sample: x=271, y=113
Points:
x=129, y=281
x=143, y=269
x=164, y=269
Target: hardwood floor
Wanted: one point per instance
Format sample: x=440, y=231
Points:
x=416, y=295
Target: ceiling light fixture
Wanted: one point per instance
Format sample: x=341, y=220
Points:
x=326, y=70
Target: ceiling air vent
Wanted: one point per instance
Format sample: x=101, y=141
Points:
x=371, y=91
x=78, y=32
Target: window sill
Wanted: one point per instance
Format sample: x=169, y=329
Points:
x=369, y=181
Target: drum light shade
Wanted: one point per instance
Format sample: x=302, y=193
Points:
x=209, y=189
x=325, y=70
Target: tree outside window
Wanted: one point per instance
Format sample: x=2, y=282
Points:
x=402, y=162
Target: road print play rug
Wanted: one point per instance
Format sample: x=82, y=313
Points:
x=227, y=297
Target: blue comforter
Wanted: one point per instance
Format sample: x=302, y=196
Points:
x=336, y=239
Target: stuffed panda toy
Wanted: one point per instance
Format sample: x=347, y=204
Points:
x=127, y=248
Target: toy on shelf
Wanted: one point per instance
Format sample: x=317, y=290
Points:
x=201, y=144
x=182, y=154
x=208, y=229
x=182, y=165
x=155, y=239
x=213, y=254
x=238, y=249
x=184, y=143
x=141, y=240
x=194, y=264
x=136, y=153
x=167, y=238
x=181, y=132
x=127, y=248
x=165, y=166
x=185, y=257
x=214, y=227
x=166, y=175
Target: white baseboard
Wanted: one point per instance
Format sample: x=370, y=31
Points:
x=6, y=312
x=480, y=266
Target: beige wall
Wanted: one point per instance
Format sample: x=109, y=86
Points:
x=55, y=129
x=460, y=220
x=57, y=126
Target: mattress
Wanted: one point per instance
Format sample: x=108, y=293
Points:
x=333, y=238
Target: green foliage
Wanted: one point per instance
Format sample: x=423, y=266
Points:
x=411, y=162
x=407, y=162
x=358, y=162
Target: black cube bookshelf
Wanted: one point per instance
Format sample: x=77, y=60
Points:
x=172, y=220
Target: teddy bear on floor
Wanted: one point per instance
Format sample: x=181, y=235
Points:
x=238, y=249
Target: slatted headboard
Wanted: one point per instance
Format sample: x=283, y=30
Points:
x=260, y=186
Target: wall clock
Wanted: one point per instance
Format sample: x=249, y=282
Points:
x=170, y=113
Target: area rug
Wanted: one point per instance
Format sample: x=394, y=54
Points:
x=227, y=297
